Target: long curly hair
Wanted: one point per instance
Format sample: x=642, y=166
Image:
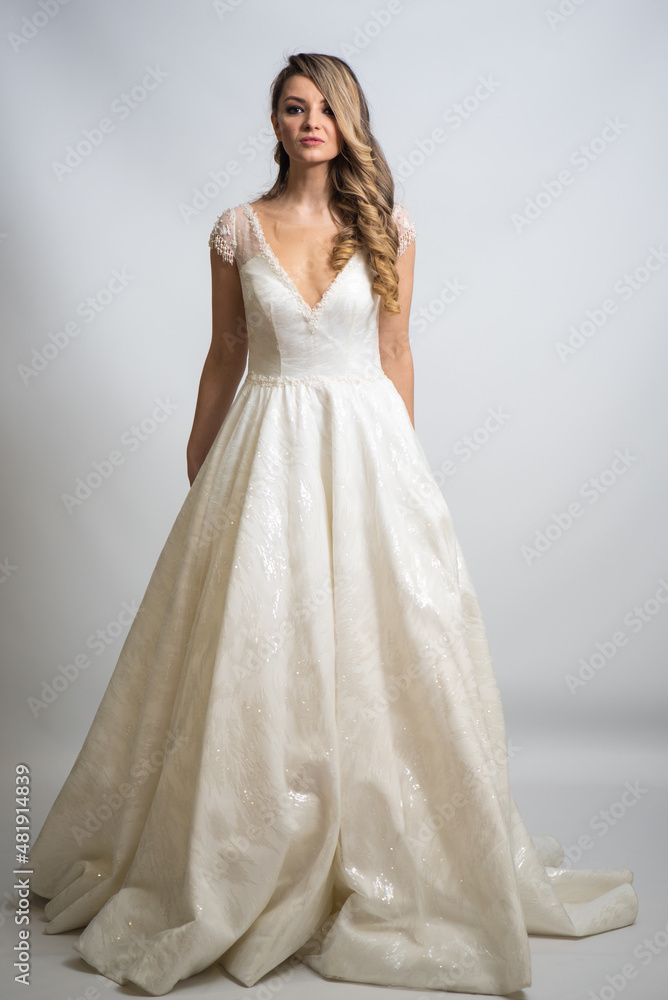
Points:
x=361, y=182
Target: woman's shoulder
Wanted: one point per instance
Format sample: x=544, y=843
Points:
x=231, y=216
x=405, y=226
x=230, y=233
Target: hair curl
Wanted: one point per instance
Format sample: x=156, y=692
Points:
x=362, y=186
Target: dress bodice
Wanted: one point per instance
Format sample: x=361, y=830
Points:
x=287, y=338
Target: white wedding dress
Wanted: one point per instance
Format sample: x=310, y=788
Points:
x=301, y=751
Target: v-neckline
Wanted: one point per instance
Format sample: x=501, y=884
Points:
x=311, y=311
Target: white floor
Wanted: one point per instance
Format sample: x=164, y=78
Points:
x=631, y=962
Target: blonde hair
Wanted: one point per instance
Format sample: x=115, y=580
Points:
x=361, y=181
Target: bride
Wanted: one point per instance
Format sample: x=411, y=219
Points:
x=301, y=753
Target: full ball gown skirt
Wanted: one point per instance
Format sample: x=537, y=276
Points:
x=301, y=751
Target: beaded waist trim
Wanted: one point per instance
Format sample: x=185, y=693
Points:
x=258, y=379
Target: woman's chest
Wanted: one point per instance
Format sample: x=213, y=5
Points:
x=304, y=252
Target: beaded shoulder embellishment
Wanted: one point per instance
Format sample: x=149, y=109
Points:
x=406, y=231
x=222, y=240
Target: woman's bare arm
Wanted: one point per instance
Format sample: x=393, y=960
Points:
x=225, y=363
x=395, y=352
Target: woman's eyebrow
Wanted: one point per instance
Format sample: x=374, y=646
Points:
x=292, y=97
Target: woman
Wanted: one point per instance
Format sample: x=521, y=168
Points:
x=301, y=753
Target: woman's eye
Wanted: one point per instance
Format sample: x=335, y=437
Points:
x=297, y=107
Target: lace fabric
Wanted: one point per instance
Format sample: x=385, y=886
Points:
x=238, y=236
x=231, y=238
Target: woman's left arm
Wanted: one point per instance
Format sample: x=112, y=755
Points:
x=393, y=345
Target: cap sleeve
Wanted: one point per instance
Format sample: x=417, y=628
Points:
x=405, y=228
x=223, y=236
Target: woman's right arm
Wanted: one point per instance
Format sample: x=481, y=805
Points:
x=225, y=363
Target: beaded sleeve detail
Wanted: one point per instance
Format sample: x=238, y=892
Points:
x=223, y=236
x=405, y=228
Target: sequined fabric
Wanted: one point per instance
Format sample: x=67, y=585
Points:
x=302, y=749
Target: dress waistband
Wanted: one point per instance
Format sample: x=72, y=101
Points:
x=256, y=378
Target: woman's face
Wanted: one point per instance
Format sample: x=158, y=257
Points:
x=303, y=114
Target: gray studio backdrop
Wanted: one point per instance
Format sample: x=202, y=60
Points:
x=529, y=145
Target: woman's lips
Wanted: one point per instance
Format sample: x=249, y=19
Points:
x=310, y=142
